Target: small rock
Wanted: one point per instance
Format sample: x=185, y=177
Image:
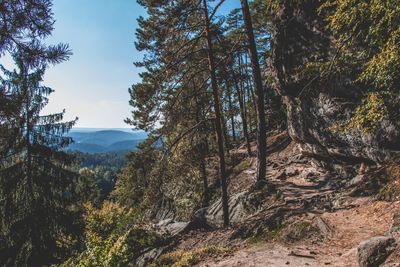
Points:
x=374, y=251
x=359, y=179
x=144, y=259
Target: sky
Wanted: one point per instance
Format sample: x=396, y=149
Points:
x=93, y=84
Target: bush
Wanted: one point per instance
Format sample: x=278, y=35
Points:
x=111, y=237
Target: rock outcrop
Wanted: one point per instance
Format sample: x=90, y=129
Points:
x=241, y=205
x=315, y=104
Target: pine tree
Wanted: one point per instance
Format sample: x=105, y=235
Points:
x=259, y=94
x=218, y=119
x=174, y=100
x=35, y=183
x=23, y=25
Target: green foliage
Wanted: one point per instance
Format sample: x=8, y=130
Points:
x=103, y=166
x=36, y=185
x=136, y=183
x=366, y=117
x=86, y=189
x=374, y=27
x=367, y=36
x=112, y=237
x=173, y=100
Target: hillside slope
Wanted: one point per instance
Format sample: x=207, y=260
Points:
x=309, y=216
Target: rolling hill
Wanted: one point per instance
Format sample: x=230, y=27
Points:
x=102, y=141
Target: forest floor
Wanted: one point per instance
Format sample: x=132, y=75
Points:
x=319, y=222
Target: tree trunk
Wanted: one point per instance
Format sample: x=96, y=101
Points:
x=26, y=93
x=203, y=152
x=245, y=91
x=225, y=129
x=242, y=112
x=259, y=94
x=218, y=122
x=230, y=106
x=250, y=105
x=249, y=85
x=231, y=114
x=203, y=173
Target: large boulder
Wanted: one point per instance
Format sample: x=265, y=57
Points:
x=241, y=205
x=213, y=215
x=373, y=252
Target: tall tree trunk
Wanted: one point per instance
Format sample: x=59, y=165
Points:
x=245, y=90
x=249, y=84
x=230, y=106
x=259, y=94
x=231, y=115
x=203, y=151
x=250, y=105
x=25, y=90
x=218, y=121
x=224, y=129
x=242, y=112
x=203, y=173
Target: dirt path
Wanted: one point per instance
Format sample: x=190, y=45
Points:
x=303, y=190
x=339, y=249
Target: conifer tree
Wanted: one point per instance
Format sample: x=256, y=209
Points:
x=24, y=24
x=174, y=101
x=218, y=119
x=259, y=95
x=35, y=182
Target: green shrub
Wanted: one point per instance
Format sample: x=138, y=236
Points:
x=112, y=238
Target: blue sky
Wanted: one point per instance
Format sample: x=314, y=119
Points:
x=93, y=84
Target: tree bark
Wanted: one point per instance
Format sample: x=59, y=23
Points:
x=250, y=90
x=26, y=93
x=203, y=152
x=230, y=106
x=242, y=112
x=259, y=94
x=218, y=122
x=231, y=114
x=225, y=129
x=245, y=92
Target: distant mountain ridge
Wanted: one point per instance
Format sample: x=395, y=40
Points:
x=108, y=140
